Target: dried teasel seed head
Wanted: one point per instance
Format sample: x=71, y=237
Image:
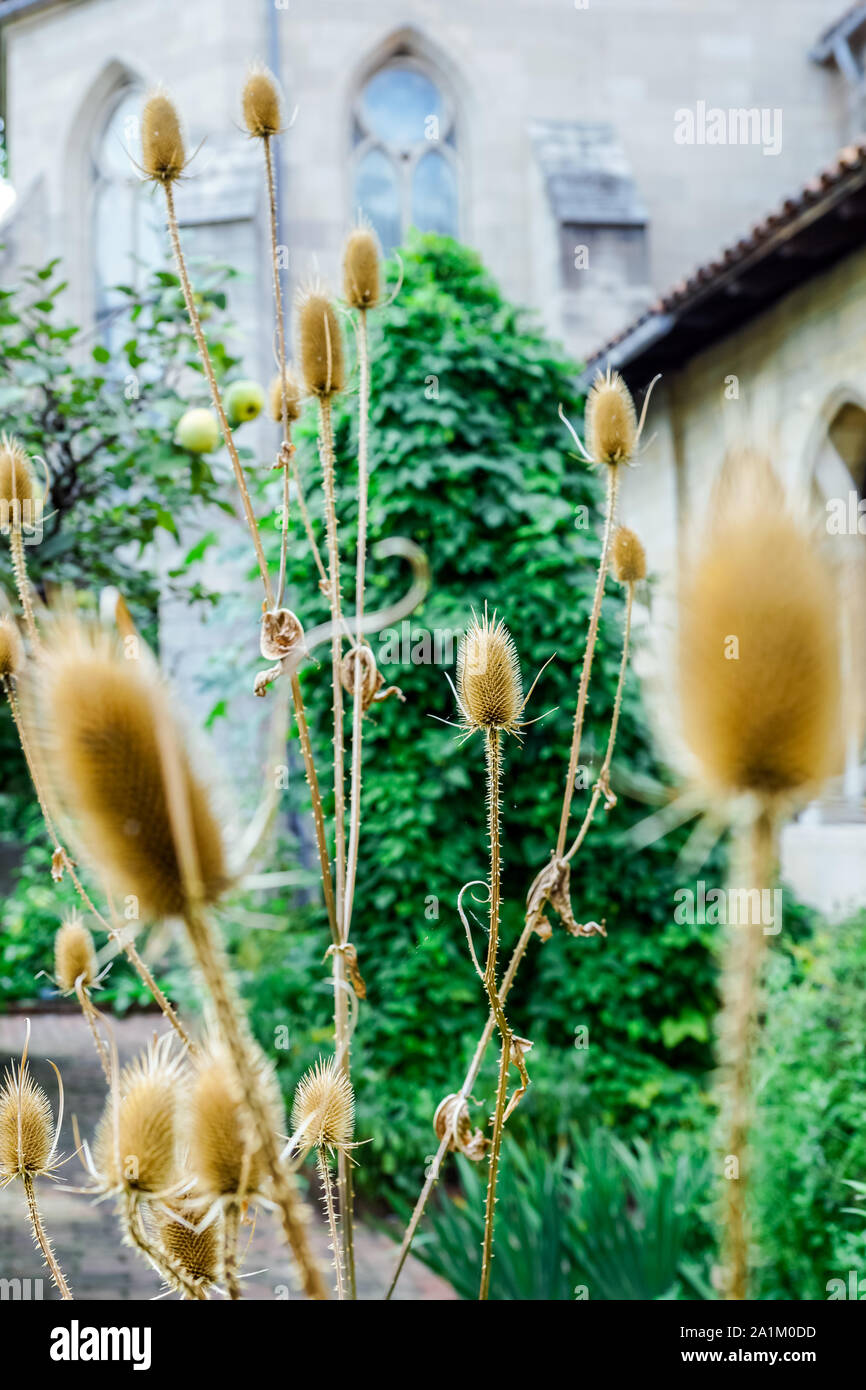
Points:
x=628, y=557
x=758, y=660
x=320, y=345
x=194, y=1249
x=11, y=648
x=163, y=157
x=452, y=1117
x=223, y=1152
x=136, y=1143
x=293, y=397
x=361, y=279
x=488, y=676
x=26, y=1125
x=324, y=1108
x=114, y=765
x=611, y=421
x=74, y=956
x=17, y=479
x=262, y=104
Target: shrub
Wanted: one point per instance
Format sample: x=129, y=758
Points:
x=470, y=460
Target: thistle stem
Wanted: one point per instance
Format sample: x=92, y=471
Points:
x=360, y=565
x=601, y=785
x=328, y=1199
x=127, y=947
x=326, y=453
x=281, y=348
x=738, y=1031
x=493, y=750
x=204, y=354
x=22, y=584
x=92, y=1015
x=215, y=975
x=231, y=1227
x=592, y=634
x=318, y=814
x=41, y=1239
x=341, y=1009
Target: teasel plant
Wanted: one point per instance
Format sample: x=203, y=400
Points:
x=323, y=1117
x=29, y=1137
x=613, y=434
x=123, y=780
x=490, y=701
x=76, y=971
x=225, y=1157
x=134, y=1157
x=759, y=716
x=262, y=108
x=13, y=668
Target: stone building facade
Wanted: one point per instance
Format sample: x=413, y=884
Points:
x=764, y=347
x=546, y=133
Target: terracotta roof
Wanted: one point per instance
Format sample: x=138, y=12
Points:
x=809, y=231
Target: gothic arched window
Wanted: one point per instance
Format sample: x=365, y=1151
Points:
x=405, y=171
x=128, y=235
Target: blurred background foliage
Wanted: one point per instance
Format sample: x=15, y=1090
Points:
x=605, y=1176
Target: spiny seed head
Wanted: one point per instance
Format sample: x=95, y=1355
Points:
x=758, y=660
x=488, y=676
x=11, y=648
x=195, y=1250
x=262, y=105
x=293, y=397
x=611, y=422
x=628, y=557
x=107, y=741
x=361, y=281
x=74, y=956
x=324, y=1107
x=26, y=1125
x=320, y=345
x=17, y=479
x=162, y=152
x=224, y=1153
x=141, y=1156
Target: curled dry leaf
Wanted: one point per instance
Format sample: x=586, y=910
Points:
x=371, y=677
x=350, y=955
x=552, y=885
x=452, y=1117
x=281, y=634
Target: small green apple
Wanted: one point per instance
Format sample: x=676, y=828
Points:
x=244, y=401
x=198, y=431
